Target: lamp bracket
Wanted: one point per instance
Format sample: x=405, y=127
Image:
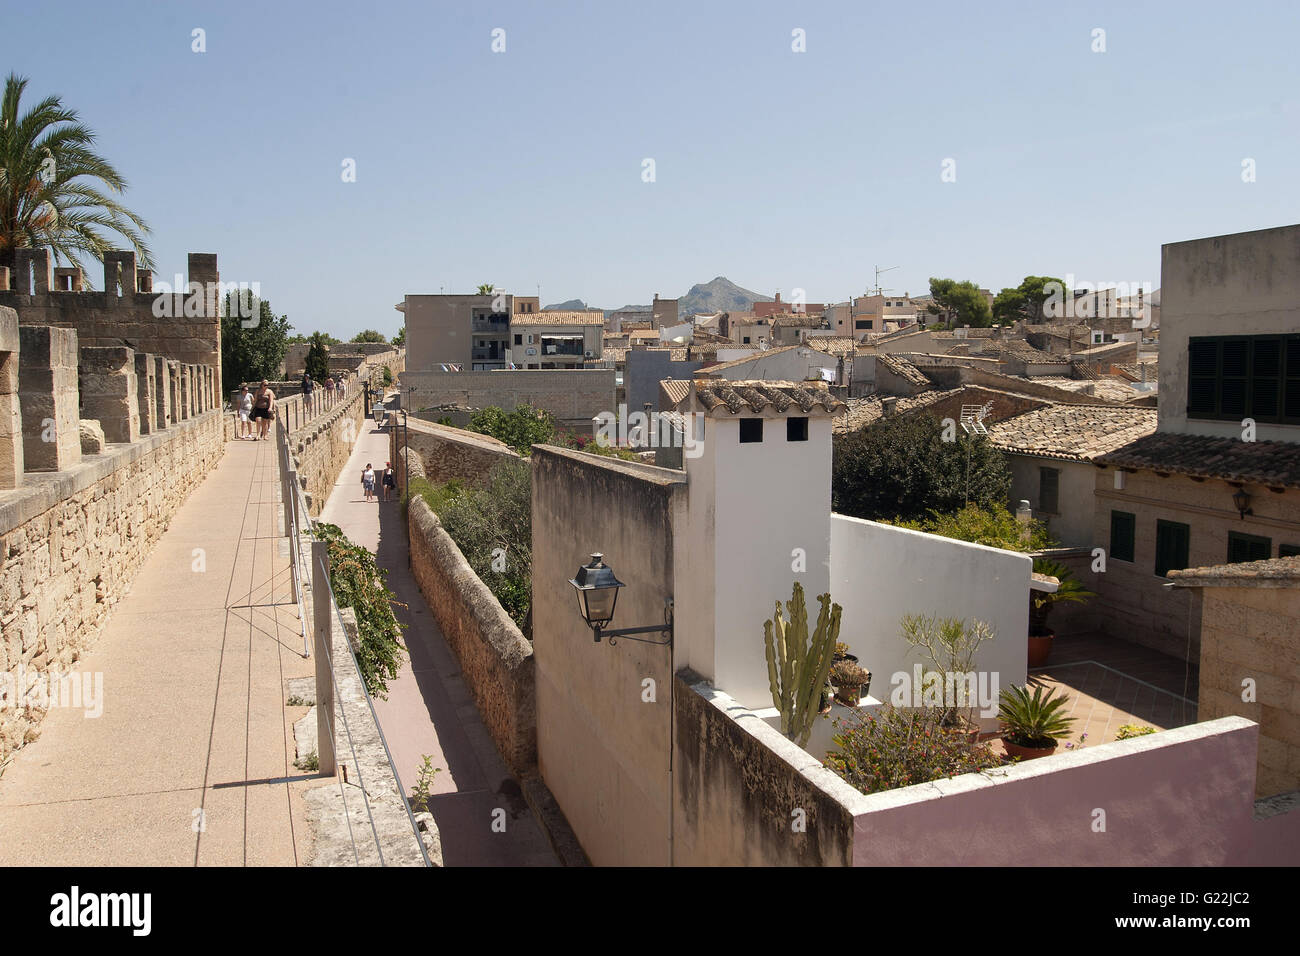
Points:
x=666, y=629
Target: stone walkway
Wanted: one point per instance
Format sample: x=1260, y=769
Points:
x=191, y=761
x=429, y=710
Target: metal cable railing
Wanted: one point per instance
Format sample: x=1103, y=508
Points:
x=297, y=522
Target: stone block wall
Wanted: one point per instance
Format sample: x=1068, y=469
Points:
x=322, y=448
x=496, y=660
x=1250, y=667
x=70, y=545
x=126, y=311
x=450, y=453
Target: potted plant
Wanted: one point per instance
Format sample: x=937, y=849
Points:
x=842, y=653
x=1069, y=590
x=851, y=682
x=1032, y=725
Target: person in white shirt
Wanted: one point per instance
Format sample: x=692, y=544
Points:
x=245, y=413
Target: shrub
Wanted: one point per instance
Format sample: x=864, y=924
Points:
x=520, y=429
x=993, y=525
x=902, y=468
x=358, y=583
x=492, y=526
x=898, y=748
x=1033, y=720
x=1134, y=730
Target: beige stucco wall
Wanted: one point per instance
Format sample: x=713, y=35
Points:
x=449, y=453
x=1133, y=602
x=1074, y=524
x=573, y=396
x=603, y=750
x=1242, y=284
x=1253, y=634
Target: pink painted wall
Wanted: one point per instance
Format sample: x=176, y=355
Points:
x=1183, y=797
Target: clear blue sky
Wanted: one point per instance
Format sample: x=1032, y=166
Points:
x=776, y=169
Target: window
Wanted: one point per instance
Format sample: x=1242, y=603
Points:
x=1123, y=533
x=796, y=429
x=745, y=340
x=1049, y=484
x=862, y=324
x=1244, y=376
x=751, y=430
x=1248, y=547
x=519, y=339
x=1288, y=550
x=1172, y=543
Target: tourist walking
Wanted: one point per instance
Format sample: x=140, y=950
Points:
x=245, y=406
x=308, y=387
x=368, y=482
x=390, y=479
x=329, y=391
x=264, y=410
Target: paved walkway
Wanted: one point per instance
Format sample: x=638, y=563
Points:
x=191, y=761
x=429, y=710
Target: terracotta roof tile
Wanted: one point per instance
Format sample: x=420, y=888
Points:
x=723, y=397
x=1275, y=463
x=557, y=318
x=1072, y=432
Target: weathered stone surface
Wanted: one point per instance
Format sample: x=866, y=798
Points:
x=92, y=437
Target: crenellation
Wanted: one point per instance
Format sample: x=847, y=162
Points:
x=109, y=393
x=145, y=387
x=49, y=397
x=11, y=438
x=163, y=393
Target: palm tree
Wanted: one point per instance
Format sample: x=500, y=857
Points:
x=55, y=189
x=1070, y=590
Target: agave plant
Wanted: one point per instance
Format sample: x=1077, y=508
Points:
x=1033, y=721
x=56, y=192
x=1070, y=590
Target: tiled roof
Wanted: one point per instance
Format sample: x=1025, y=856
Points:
x=721, y=397
x=902, y=368
x=608, y=354
x=1108, y=387
x=1072, y=432
x=677, y=389
x=866, y=411
x=1275, y=572
x=557, y=318
x=834, y=344
x=748, y=358
x=788, y=320
x=1275, y=463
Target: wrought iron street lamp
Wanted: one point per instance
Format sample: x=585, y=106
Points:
x=597, y=588
x=1241, y=498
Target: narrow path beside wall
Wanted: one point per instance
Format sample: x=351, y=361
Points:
x=429, y=710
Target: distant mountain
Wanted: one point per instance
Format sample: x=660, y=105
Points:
x=720, y=295
x=573, y=305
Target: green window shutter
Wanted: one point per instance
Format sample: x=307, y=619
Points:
x=1288, y=550
x=1265, y=378
x=1291, y=380
x=1203, y=377
x=1123, y=532
x=1049, y=486
x=1248, y=547
x=1173, y=541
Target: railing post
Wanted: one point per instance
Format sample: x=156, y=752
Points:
x=324, y=627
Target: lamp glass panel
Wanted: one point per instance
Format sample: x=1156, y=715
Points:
x=600, y=604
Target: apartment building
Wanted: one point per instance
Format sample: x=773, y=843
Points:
x=460, y=332
x=556, y=339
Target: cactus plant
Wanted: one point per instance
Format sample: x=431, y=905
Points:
x=797, y=663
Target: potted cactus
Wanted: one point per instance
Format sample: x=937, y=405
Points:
x=799, y=662
x=851, y=682
x=1032, y=725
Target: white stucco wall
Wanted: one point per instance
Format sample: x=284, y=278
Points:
x=880, y=573
x=766, y=500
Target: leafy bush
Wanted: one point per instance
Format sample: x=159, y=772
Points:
x=898, y=748
x=520, y=429
x=992, y=525
x=492, y=526
x=1134, y=730
x=358, y=583
x=902, y=468
x=387, y=375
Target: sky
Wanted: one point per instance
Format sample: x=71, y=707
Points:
x=776, y=168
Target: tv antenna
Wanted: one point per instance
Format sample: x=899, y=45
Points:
x=879, y=273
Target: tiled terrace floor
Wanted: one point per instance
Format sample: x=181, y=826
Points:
x=1113, y=682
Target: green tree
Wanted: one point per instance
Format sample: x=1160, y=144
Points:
x=318, y=356
x=902, y=468
x=369, y=335
x=253, y=340
x=400, y=338
x=486, y=288
x=56, y=192
x=960, y=303
x=992, y=525
x=1025, y=301
x=520, y=429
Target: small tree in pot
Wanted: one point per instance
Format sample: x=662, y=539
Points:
x=1069, y=590
x=851, y=682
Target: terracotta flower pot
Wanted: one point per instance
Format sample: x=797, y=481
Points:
x=850, y=695
x=1027, y=753
x=1040, y=647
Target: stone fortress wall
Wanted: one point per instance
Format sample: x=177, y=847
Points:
x=109, y=418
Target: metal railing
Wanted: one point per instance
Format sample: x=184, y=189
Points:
x=326, y=618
